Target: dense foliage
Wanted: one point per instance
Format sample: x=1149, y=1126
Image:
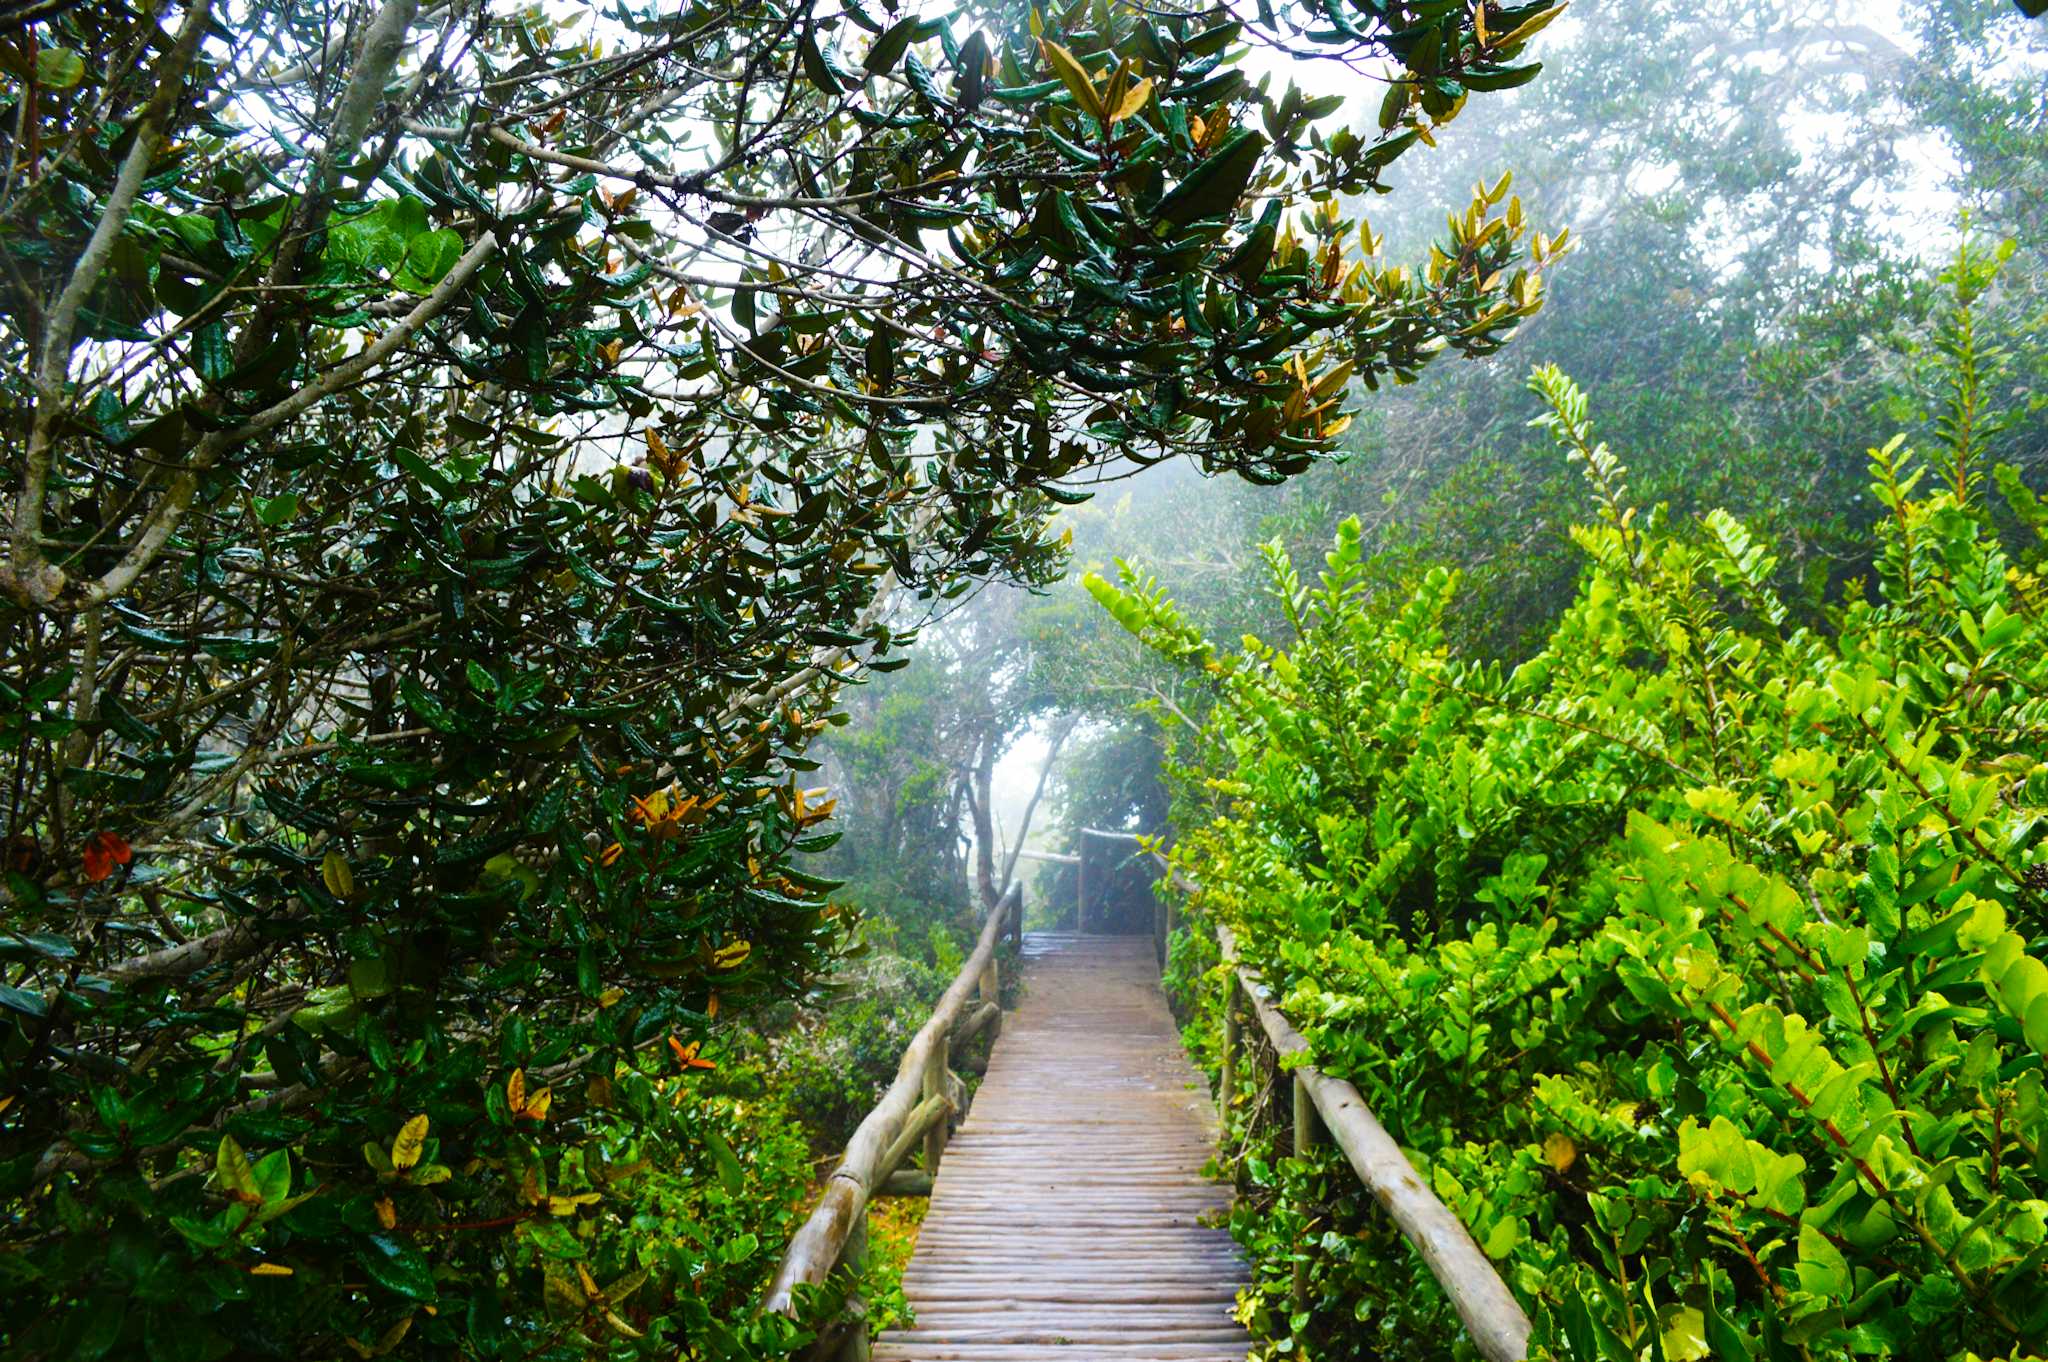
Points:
x=1698, y=959
x=454, y=456
x=1758, y=189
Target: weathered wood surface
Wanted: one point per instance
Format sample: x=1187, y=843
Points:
x=1065, y=1221
x=880, y=1139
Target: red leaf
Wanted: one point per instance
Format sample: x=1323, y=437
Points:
x=104, y=851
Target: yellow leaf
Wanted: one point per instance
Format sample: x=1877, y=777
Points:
x=1134, y=101
x=536, y=1108
x=1685, y=1334
x=566, y=1205
x=270, y=1270
x=1333, y=380
x=611, y=1317
x=610, y=997
x=1073, y=75
x=1559, y=1151
x=232, y=1172
x=589, y=1282
x=728, y=957
x=515, y=1091
x=393, y=1336
x=387, y=1214
x=412, y=1138
x=335, y=874
x=1529, y=28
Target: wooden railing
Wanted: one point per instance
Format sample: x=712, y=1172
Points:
x=920, y=1104
x=917, y=1109
x=1491, y=1314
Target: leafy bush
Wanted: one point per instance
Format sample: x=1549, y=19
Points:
x=1698, y=960
x=830, y=1067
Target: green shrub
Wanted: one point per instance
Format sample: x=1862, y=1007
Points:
x=830, y=1067
x=1697, y=961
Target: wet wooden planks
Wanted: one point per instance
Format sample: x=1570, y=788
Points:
x=1064, y=1223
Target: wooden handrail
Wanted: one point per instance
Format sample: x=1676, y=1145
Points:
x=1491, y=1314
x=1048, y=857
x=885, y=1136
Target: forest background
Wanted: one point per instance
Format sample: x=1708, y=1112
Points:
x=1778, y=194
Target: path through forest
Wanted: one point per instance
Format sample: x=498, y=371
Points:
x=1067, y=1217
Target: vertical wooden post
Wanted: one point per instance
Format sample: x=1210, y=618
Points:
x=991, y=985
x=935, y=1086
x=1304, y=1118
x=855, y=1345
x=1081, y=886
x=1226, y=1085
x=1017, y=917
x=1304, y=1141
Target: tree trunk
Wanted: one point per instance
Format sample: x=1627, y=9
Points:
x=1052, y=752
x=984, y=824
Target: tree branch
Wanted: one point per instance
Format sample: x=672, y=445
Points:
x=28, y=576
x=170, y=510
x=1059, y=739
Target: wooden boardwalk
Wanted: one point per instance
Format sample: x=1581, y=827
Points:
x=1065, y=1219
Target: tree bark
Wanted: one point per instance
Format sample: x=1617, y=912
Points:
x=1059, y=738
x=984, y=824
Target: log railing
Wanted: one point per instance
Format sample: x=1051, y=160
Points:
x=917, y=1110
x=1492, y=1316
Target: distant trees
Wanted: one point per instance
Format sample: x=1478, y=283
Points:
x=1765, y=195
x=915, y=766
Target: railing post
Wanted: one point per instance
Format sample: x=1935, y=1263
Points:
x=854, y=1345
x=1304, y=1141
x=1226, y=1085
x=991, y=986
x=935, y=1086
x=1017, y=916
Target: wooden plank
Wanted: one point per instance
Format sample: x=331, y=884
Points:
x=819, y=1242
x=1070, y=1218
